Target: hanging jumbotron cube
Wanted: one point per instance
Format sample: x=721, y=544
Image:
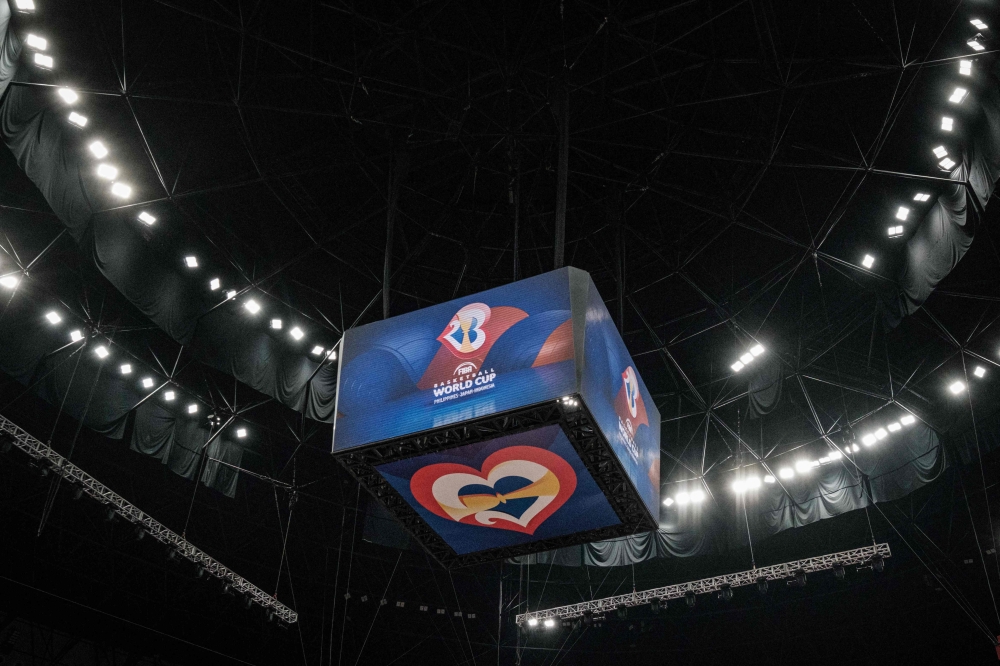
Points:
x=503, y=423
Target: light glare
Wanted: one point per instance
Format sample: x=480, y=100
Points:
x=908, y=419
x=895, y=232
x=121, y=190
x=297, y=333
x=978, y=24
x=101, y=351
x=251, y=306
x=757, y=350
x=958, y=95
x=68, y=95
x=43, y=60
x=668, y=502
x=193, y=408
x=746, y=358
x=921, y=196
x=893, y=427
x=107, y=172
x=902, y=213
x=769, y=479
x=965, y=67
x=947, y=163
x=169, y=395
x=36, y=42
x=75, y=335
x=975, y=45
x=99, y=150
x=276, y=324
x=786, y=472
x=126, y=368
x=736, y=366
x=8, y=281
x=549, y=623
x=241, y=432
x=697, y=496
x=191, y=261
x=53, y=317
x=868, y=439
x=956, y=387
x=317, y=350
x=947, y=124
x=147, y=382
x=682, y=498
x=940, y=151
x=25, y=5
x=868, y=261
x=980, y=371
x=881, y=433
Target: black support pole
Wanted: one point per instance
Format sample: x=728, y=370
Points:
x=561, y=110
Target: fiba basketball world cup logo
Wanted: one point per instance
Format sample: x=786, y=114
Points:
x=465, y=333
x=631, y=411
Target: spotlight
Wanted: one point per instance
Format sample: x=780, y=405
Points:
x=757, y=350
x=25, y=5
x=762, y=586
x=68, y=95
x=654, y=605
x=101, y=351
x=739, y=486
x=921, y=196
x=126, y=369
x=689, y=599
x=252, y=306
x=107, y=172
x=75, y=336
x=799, y=580
x=549, y=623
x=769, y=479
x=621, y=611
x=746, y=358
x=169, y=396
x=947, y=124
x=9, y=281
x=317, y=350
x=868, y=261
x=908, y=419
x=976, y=44
x=241, y=432
x=231, y=294
x=736, y=366
x=147, y=382
x=947, y=164
x=682, y=498
x=214, y=284
x=726, y=593
x=881, y=433
x=958, y=95
x=978, y=24
x=893, y=427
x=668, y=502
x=836, y=455
x=332, y=355
x=854, y=447
x=786, y=473
x=697, y=496
x=895, y=232
x=146, y=219
x=36, y=42
x=298, y=334
x=98, y=149
x=878, y=564
x=276, y=324
x=802, y=466
x=109, y=514
x=965, y=67
x=956, y=387
x=839, y=572
x=121, y=190
x=588, y=618
x=193, y=408
x=533, y=622
x=192, y=262
x=53, y=317
x=940, y=151
x=44, y=61
x=902, y=213
x=980, y=371
x=78, y=493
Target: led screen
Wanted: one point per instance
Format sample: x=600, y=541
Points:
x=508, y=491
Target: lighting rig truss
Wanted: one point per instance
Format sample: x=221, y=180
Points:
x=869, y=555
x=91, y=486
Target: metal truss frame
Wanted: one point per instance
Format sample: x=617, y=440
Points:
x=856, y=557
x=579, y=427
x=45, y=455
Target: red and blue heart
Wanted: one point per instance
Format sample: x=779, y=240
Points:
x=517, y=488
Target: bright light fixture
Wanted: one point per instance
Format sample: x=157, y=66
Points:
x=697, y=496
x=947, y=163
x=214, y=284
x=757, y=350
x=895, y=232
x=802, y=466
x=668, y=502
x=956, y=97
x=231, y=294
x=965, y=67
x=940, y=151
x=75, y=335
x=8, y=281
x=193, y=408
x=297, y=333
x=25, y=5
x=99, y=150
x=121, y=190
x=332, y=355
x=68, y=95
x=869, y=439
x=43, y=60
x=854, y=447
x=107, y=172
x=739, y=486
x=947, y=124
x=36, y=42
x=147, y=219
x=549, y=623
x=241, y=432
x=956, y=387
x=908, y=419
x=824, y=460
x=975, y=44
x=769, y=479
x=53, y=317
x=894, y=426
x=191, y=261
x=786, y=472
x=868, y=261
x=252, y=306
x=881, y=433
x=147, y=382
x=980, y=371
x=682, y=498
x=169, y=395
x=902, y=213
x=101, y=351
x=532, y=622
x=737, y=366
x=317, y=350
x=126, y=368
x=752, y=482
x=978, y=24
x=746, y=358
x=836, y=455
x=921, y=196
x=276, y=324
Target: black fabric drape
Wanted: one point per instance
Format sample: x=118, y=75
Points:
x=764, y=387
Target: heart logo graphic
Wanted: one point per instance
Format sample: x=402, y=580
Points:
x=517, y=489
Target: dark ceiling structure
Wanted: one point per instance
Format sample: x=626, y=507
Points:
x=732, y=173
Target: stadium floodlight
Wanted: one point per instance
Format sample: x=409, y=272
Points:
x=908, y=419
x=958, y=95
x=746, y=358
x=147, y=382
x=868, y=261
x=921, y=196
x=8, y=281
x=802, y=466
x=107, y=172
x=126, y=368
x=44, y=61
x=101, y=351
x=752, y=482
x=854, y=447
x=191, y=261
x=739, y=486
x=332, y=355
x=737, y=366
x=36, y=42
x=549, y=623
x=947, y=124
x=75, y=335
x=317, y=350
x=121, y=190
x=276, y=324
x=297, y=333
x=956, y=387
x=68, y=95
x=894, y=426
x=231, y=294
x=824, y=460
x=668, y=501
x=214, y=284
x=769, y=479
x=940, y=151
x=53, y=317
x=532, y=622
x=697, y=496
x=252, y=306
x=980, y=371
x=169, y=396
x=757, y=350
x=99, y=150
x=978, y=24
x=965, y=67
x=836, y=455
x=786, y=473
x=947, y=164
x=976, y=44
x=241, y=432
x=902, y=213
x=881, y=433
x=895, y=232
x=682, y=498
x=25, y=5
x=193, y=408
